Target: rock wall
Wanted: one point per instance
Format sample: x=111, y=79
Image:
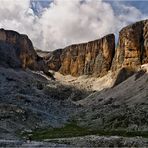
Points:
x=17, y=51
x=132, y=48
x=22, y=45
x=96, y=58
x=92, y=58
x=53, y=59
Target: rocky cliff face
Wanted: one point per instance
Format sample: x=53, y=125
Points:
x=92, y=58
x=21, y=46
x=132, y=49
x=96, y=58
x=53, y=59
x=17, y=51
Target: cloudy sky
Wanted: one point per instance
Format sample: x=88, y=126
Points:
x=53, y=24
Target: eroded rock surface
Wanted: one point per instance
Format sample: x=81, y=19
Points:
x=132, y=49
x=92, y=58
x=54, y=59
x=17, y=51
x=20, y=45
x=96, y=58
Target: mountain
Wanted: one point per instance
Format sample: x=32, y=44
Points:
x=17, y=51
x=98, y=57
x=95, y=91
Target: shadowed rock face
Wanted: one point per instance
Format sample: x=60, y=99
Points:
x=132, y=49
x=92, y=58
x=22, y=45
x=17, y=51
x=8, y=56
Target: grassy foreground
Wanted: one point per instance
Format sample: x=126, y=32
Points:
x=73, y=130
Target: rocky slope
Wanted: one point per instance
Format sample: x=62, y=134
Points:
x=122, y=107
x=31, y=100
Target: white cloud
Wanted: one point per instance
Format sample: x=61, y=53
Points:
x=66, y=22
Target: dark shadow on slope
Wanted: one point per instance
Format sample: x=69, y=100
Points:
x=8, y=56
x=28, y=100
x=139, y=74
x=123, y=74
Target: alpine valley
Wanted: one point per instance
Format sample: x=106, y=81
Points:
x=85, y=95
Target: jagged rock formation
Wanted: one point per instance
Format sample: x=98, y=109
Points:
x=54, y=59
x=132, y=49
x=21, y=46
x=17, y=51
x=97, y=57
x=92, y=58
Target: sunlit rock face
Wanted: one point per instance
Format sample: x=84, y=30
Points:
x=132, y=49
x=92, y=58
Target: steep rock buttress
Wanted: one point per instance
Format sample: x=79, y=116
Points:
x=132, y=48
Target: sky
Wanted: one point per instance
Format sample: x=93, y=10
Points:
x=54, y=24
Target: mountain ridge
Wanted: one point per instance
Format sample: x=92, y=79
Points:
x=131, y=50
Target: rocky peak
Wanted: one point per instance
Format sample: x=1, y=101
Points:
x=17, y=51
x=132, y=49
x=20, y=45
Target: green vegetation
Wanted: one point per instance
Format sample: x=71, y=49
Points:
x=73, y=130
x=69, y=130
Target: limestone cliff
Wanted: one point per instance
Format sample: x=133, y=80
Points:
x=92, y=58
x=132, y=48
x=17, y=51
x=97, y=57
x=22, y=45
x=53, y=59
